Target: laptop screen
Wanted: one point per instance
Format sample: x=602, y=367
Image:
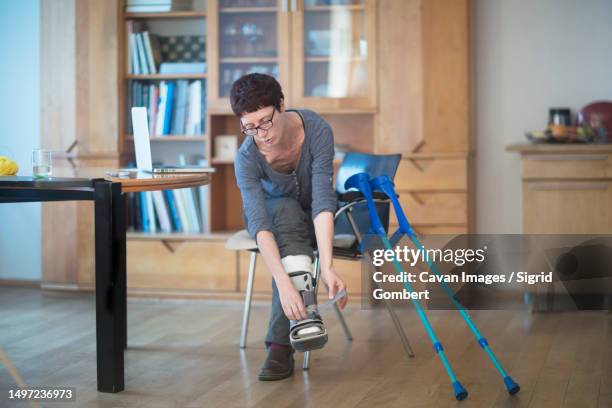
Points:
x=142, y=145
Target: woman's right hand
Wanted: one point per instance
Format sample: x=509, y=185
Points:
x=292, y=302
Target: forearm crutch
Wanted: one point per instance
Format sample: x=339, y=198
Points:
x=361, y=181
x=384, y=184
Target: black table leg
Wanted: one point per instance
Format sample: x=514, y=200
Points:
x=110, y=292
x=119, y=227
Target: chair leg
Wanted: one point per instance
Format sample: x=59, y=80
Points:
x=388, y=305
x=398, y=326
x=399, y=329
x=306, y=361
x=247, y=301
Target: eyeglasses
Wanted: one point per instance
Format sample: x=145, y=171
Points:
x=253, y=131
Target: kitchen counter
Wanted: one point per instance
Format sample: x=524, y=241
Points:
x=526, y=148
x=567, y=188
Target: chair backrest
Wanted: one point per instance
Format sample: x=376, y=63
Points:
x=375, y=165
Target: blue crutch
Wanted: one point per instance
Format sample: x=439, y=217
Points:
x=361, y=181
x=384, y=184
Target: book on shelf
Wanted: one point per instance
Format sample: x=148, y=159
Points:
x=142, y=54
x=152, y=53
x=170, y=68
x=161, y=109
x=155, y=2
x=170, y=101
x=176, y=223
x=170, y=211
x=202, y=193
x=173, y=107
x=194, y=121
x=154, y=6
x=151, y=212
x=152, y=107
x=144, y=212
x=162, y=211
x=134, y=59
x=181, y=208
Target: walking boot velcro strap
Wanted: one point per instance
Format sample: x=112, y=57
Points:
x=302, y=280
x=309, y=298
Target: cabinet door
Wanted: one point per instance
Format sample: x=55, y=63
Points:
x=567, y=207
x=245, y=36
x=333, y=54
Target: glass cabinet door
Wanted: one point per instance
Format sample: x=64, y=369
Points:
x=333, y=59
x=249, y=36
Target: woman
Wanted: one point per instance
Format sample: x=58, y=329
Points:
x=284, y=171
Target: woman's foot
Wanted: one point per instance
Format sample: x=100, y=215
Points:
x=278, y=364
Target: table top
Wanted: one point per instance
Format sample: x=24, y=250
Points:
x=45, y=182
x=136, y=181
x=140, y=181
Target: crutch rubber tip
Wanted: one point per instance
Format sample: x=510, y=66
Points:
x=511, y=386
x=460, y=392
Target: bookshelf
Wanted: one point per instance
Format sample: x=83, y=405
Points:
x=174, y=138
x=164, y=15
x=176, y=106
x=160, y=77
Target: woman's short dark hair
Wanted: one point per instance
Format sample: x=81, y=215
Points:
x=255, y=91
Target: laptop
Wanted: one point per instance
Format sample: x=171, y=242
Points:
x=142, y=148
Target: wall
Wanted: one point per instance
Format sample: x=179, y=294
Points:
x=20, y=247
x=528, y=56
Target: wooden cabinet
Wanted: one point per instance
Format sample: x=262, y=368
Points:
x=433, y=191
x=390, y=76
x=324, y=56
x=333, y=57
x=566, y=189
x=567, y=207
x=245, y=37
x=180, y=264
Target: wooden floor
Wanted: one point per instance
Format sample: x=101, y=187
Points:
x=187, y=355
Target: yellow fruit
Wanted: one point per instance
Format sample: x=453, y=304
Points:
x=7, y=167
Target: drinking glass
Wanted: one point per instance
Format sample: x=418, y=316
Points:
x=41, y=163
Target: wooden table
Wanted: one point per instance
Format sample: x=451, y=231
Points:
x=108, y=195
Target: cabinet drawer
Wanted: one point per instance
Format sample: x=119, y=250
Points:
x=567, y=207
x=433, y=208
x=431, y=175
x=567, y=166
x=192, y=265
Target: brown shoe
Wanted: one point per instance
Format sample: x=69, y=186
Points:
x=278, y=364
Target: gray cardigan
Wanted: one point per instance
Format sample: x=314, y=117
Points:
x=311, y=183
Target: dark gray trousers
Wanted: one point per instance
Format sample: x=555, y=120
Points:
x=294, y=235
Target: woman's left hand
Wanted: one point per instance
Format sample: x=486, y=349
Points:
x=335, y=284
